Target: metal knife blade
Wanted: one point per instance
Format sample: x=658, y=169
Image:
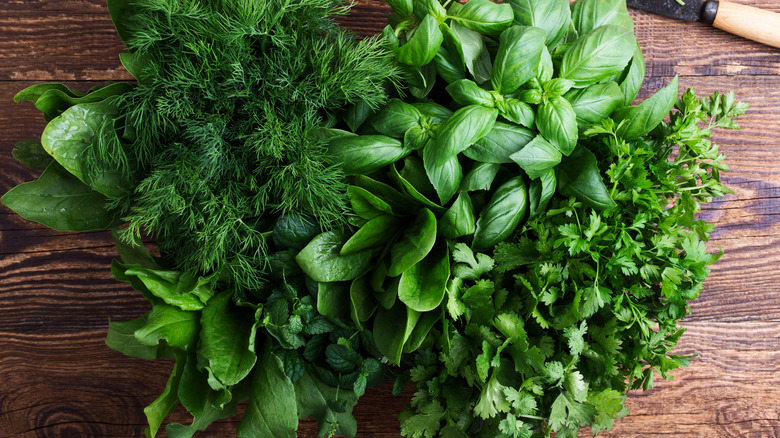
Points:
x=690, y=11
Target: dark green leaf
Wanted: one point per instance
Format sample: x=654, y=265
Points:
x=321, y=259
x=272, y=408
x=502, y=214
x=314, y=399
x=165, y=404
x=414, y=245
x=636, y=121
x=466, y=126
x=540, y=192
x=501, y=142
x=537, y=157
x=598, y=55
x=31, y=154
x=361, y=300
x=517, y=60
x=595, y=103
x=448, y=66
x=61, y=202
x=480, y=177
x=445, y=178
x=367, y=205
x=356, y=114
x=424, y=44
x=422, y=286
x=635, y=77
x=557, y=123
x=226, y=341
x=392, y=328
x=459, y=220
x=294, y=231
x=550, y=15
x=331, y=299
x=579, y=176
x=590, y=14
x=374, y=233
x=365, y=154
x=484, y=16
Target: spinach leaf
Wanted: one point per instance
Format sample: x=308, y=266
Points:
x=166, y=403
x=31, y=154
x=61, y=202
x=392, y=328
x=272, y=408
x=227, y=342
x=422, y=286
x=415, y=243
x=376, y=232
x=321, y=259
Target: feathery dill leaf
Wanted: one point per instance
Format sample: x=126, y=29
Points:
x=220, y=123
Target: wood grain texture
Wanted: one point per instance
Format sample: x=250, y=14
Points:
x=58, y=379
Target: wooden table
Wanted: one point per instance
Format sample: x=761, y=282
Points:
x=58, y=379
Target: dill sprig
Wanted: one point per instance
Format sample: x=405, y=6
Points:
x=220, y=123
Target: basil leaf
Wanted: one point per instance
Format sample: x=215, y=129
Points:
x=598, y=55
x=436, y=112
x=422, y=286
x=466, y=92
x=272, y=409
x=422, y=47
x=448, y=67
x=227, y=349
x=499, y=144
x=579, y=176
x=31, y=154
x=639, y=120
x=395, y=118
x=517, y=60
x=403, y=8
x=460, y=131
x=502, y=214
x=635, y=77
x=485, y=17
x=556, y=87
x=445, y=178
x=459, y=220
x=414, y=245
x=557, y=122
x=321, y=259
x=595, y=103
x=364, y=154
x=416, y=138
x=471, y=45
x=552, y=16
x=517, y=111
x=371, y=235
x=392, y=328
x=540, y=192
x=591, y=14
x=413, y=174
x=61, y=202
x=546, y=67
x=537, y=157
x=69, y=137
x=480, y=177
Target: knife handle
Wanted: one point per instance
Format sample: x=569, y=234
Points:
x=746, y=21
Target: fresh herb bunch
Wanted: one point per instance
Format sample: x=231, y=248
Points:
x=525, y=242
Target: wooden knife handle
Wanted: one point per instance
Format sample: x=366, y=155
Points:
x=748, y=22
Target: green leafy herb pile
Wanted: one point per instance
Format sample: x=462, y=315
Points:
x=468, y=203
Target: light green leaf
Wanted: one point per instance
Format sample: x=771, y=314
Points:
x=321, y=259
